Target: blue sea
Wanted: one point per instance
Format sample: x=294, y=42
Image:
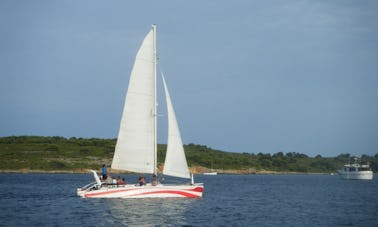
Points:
x=229, y=200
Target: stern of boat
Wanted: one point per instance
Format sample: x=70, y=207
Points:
x=80, y=192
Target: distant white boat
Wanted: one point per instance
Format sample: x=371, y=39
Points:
x=136, y=148
x=356, y=171
x=210, y=173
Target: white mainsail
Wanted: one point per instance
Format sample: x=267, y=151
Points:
x=175, y=161
x=136, y=146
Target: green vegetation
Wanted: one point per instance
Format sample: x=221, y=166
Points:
x=53, y=153
x=77, y=154
x=290, y=162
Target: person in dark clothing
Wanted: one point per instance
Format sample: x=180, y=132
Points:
x=141, y=181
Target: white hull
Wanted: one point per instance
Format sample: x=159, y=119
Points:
x=360, y=175
x=212, y=173
x=148, y=191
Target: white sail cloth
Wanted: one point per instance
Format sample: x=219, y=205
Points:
x=175, y=161
x=135, y=144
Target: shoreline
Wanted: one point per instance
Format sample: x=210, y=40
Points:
x=220, y=172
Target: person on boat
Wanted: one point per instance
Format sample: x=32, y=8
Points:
x=104, y=172
x=141, y=181
x=120, y=181
x=154, y=180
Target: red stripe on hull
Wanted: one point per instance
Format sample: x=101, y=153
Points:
x=197, y=189
x=185, y=194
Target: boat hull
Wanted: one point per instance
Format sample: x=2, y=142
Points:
x=211, y=173
x=360, y=175
x=148, y=191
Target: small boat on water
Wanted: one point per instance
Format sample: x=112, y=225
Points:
x=136, y=148
x=211, y=173
x=356, y=171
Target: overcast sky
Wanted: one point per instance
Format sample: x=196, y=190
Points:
x=244, y=76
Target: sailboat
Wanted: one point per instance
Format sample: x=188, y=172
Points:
x=212, y=172
x=136, y=147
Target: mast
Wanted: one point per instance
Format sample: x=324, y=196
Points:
x=155, y=104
